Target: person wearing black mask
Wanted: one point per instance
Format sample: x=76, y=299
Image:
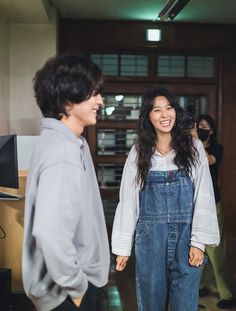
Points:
x=203, y=134
x=206, y=130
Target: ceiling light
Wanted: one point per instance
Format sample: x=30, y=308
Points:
x=119, y=98
x=109, y=110
x=171, y=9
x=153, y=35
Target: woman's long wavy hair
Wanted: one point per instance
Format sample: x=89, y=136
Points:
x=182, y=143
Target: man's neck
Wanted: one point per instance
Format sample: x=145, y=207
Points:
x=72, y=125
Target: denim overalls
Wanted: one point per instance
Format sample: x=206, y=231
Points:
x=162, y=244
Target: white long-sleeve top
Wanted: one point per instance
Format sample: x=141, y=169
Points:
x=205, y=229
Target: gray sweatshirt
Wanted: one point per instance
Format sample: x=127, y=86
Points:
x=65, y=238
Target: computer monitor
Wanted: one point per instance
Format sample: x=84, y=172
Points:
x=8, y=162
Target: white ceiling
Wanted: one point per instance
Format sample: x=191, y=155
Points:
x=24, y=11
x=36, y=11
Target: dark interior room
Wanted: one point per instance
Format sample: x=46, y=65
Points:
x=192, y=54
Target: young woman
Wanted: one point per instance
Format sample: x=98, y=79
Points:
x=167, y=202
x=217, y=256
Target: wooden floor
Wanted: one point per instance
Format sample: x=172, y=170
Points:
x=119, y=294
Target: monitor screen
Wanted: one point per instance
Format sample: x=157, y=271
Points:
x=8, y=162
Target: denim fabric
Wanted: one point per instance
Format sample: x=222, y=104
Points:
x=162, y=241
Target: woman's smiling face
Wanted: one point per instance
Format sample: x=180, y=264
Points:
x=162, y=115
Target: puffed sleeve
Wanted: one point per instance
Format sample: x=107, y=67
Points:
x=205, y=230
x=127, y=209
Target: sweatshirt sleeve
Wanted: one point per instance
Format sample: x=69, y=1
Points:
x=57, y=212
x=127, y=210
x=205, y=229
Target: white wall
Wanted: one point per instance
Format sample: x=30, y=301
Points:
x=30, y=46
x=25, y=147
x=24, y=48
x=4, y=77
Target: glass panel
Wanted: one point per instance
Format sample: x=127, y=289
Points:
x=200, y=67
x=193, y=105
x=170, y=66
x=134, y=65
x=115, y=141
x=109, y=205
x=109, y=175
x=120, y=107
x=108, y=63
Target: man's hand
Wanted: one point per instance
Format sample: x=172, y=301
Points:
x=77, y=301
x=121, y=262
x=196, y=256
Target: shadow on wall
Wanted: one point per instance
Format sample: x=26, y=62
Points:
x=26, y=126
x=4, y=126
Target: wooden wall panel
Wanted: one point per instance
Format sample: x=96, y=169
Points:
x=228, y=173
x=90, y=35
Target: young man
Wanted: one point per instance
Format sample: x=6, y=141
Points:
x=65, y=252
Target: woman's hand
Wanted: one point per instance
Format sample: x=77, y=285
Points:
x=121, y=262
x=77, y=301
x=196, y=256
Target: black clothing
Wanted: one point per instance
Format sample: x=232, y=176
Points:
x=90, y=301
x=217, y=151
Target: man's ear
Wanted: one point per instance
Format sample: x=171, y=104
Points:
x=68, y=107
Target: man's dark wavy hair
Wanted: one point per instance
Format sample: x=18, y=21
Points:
x=182, y=143
x=65, y=78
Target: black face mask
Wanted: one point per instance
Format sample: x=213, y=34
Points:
x=203, y=134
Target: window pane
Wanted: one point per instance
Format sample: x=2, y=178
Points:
x=115, y=141
x=193, y=105
x=109, y=175
x=108, y=63
x=134, y=65
x=120, y=107
x=200, y=67
x=170, y=66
